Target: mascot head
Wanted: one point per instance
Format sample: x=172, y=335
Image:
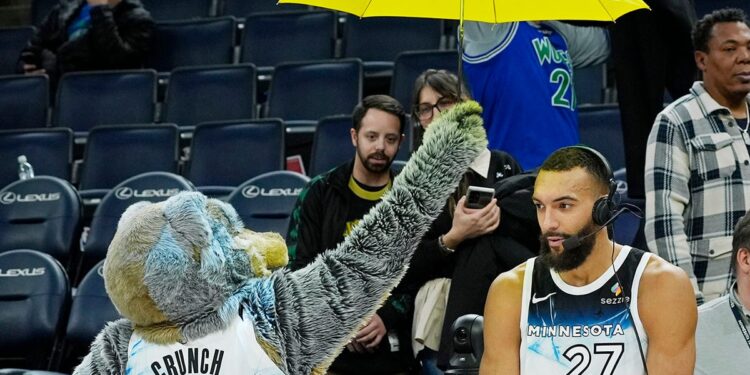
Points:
x=173, y=267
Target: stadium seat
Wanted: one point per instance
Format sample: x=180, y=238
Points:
x=398, y=165
x=34, y=297
x=332, y=144
x=88, y=99
x=589, y=84
x=42, y=213
x=90, y=310
x=378, y=40
x=40, y=9
x=223, y=155
x=12, y=41
x=265, y=203
x=115, y=153
x=150, y=186
x=313, y=90
x=49, y=151
x=23, y=101
x=628, y=224
x=409, y=65
x=304, y=35
x=195, y=42
x=241, y=8
x=600, y=129
x=225, y=92
x=179, y=10
x=703, y=7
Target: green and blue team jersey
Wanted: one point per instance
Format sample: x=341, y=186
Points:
x=525, y=85
x=583, y=330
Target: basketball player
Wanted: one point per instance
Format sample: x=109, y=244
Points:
x=587, y=305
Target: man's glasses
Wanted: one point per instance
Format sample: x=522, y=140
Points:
x=424, y=110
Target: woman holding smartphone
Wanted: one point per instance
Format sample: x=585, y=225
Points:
x=452, y=248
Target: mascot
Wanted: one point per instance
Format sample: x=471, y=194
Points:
x=197, y=295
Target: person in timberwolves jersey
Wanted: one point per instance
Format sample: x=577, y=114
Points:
x=587, y=305
x=522, y=75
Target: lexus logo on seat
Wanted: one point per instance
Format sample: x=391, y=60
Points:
x=125, y=193
x=253, y=191
x=22, y=272
x=11, y=197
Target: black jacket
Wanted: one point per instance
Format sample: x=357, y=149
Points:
x=317, y=224
x=118, y=38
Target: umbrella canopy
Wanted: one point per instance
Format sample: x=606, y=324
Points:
x=492, y=11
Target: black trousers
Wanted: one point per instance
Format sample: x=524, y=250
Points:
x=652, y=51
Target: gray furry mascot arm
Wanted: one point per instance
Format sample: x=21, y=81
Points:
x=185, y=274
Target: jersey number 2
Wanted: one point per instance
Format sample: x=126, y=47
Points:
x=561, y=77
x=580, y=356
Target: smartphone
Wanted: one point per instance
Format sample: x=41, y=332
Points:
x=479, y=197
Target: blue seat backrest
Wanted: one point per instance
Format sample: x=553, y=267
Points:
x=409, y=65
x=23, y=101
x=383, y=38
x=88, y=99
x=41, y=213
x=34, y=293
x=703, y=7
x=600, y=129
x=50, y=152
x=90, y=310
x=40, y=9
x=150, y=186
x=241, y=8
x=12, y=41
x=304, y=35
x=196, y=42
x=225, y=92
x=228, y=154
x=332, y=144
x=116, y=153
x=265, y=203
x=313, y=90
x=178, y=10
x=589, y=84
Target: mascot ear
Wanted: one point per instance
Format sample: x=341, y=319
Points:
x=226, y=215
x=189, y=222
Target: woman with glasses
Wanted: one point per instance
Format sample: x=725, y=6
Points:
x=452, y=249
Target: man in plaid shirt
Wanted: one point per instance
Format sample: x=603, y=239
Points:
x=697, y=161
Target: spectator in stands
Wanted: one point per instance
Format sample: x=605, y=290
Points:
x=328, y=209
x=652, y=51
x=721, y=339
x=697, y=158
x=522, y=75
x=89, y=35
x=452, y=247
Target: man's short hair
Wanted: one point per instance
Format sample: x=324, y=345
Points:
x=384, y=103
x=741, y=238
x=569, y=158
x=705, y=26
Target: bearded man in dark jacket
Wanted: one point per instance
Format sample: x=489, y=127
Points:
x=89, y=35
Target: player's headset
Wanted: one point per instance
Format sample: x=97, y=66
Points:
x=604, y=207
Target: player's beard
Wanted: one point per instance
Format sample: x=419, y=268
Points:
x=374, y=168
x=568, y=259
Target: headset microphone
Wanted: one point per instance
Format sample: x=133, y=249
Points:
x=574, y=241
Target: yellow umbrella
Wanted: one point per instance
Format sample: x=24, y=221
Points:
x=492, y=11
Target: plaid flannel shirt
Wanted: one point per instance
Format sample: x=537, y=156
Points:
x=697, y=187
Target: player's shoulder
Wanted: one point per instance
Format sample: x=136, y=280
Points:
x=511, y=280
x=660, y=275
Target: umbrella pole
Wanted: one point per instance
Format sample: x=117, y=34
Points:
x=460, y=49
